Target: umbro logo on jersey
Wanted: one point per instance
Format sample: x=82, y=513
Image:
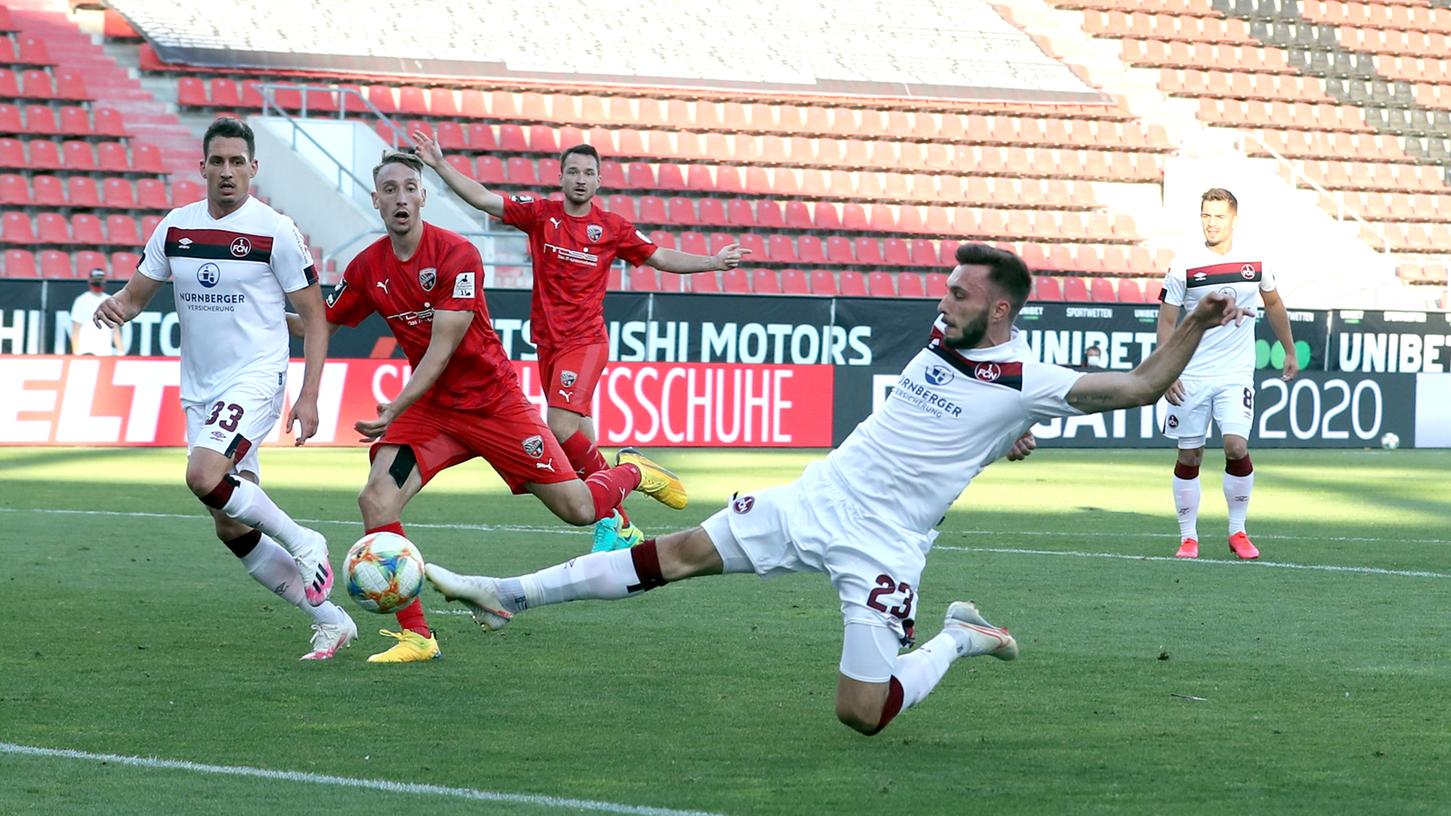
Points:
x=555, y=222
x=382, y=284
x=594, y=232
x=1199, y=276
x=241, y=247
x=184, y=243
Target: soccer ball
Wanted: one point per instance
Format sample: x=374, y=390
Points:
x=1390, y=441
x=385, y=572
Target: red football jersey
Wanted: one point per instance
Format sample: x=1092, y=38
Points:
x=445, y=273
x=572, y=257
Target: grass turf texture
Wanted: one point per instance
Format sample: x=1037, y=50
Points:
x=1322, y=691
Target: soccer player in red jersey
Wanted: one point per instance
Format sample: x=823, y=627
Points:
x=572, y=244
x=463, y=399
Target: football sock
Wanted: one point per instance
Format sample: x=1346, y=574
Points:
x=582, y=454
x=609, y=487
x=603, y=576
x=919, y=671
x=1239, y=483
x=249, y=504
x=273, y=567
x=1186, y=499
x=410, y=617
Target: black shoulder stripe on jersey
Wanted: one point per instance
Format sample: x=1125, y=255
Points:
x=1008, y=374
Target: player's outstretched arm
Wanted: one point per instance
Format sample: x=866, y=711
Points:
x=1280, y=323
x=1109, y=390
x=449, y=328
x=312, y=314
x=477, y=195
x=686, y=263
x=1168, y=319
x=127, y=303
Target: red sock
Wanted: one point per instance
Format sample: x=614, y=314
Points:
x=1239, y=467
x=582, y=454
x=1186, y=472
x=892, y=707
x=411, y=616
x=646, y=560
x=610, y=486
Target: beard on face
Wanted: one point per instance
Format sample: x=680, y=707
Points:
x=972, y=333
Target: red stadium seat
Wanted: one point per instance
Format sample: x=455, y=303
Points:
x=40, y=121
x=894, y=253
x=662, y=238
x=823, y=282
x=936, y=284
x=412, y=101
x=225, y=94
x=1102, y=291
x=113, y=157
x=88, y=260
x=86, y=229
x=694, y=243
x=56, y=264
x=882, y=284
x=780, y=249
x=798, y=216
x=810, y=251
x=705, y=283
x=75, y=121
x=839, y=250
x=50, y=192
x=768, y=215
x=122, y=230
x=13, y=189
x=81, y=191
x=186, y=192
x=1130, y=290
x=825, y=216
x=909, y=284
x=793, y=282
x=15, y=228
x=670, y=177
x=680, y=210
x=735, y=281
x=519, y=171
x=451, y=136
x=36, y=84
x=10, y=121
x=118, y=194
x=754, y=245
x=869, y=252
x=149, y=223
x=20, y=263
x=644, y=279
x=711, y=212
x=852, y=284
x=50, y=228
x=45, y=155
x=652, y=210
x=765, y=282
x=1047, y=288
x=147, y=159
x=511, y=139
x=251, y=95
x=623, y=206
x=123, y=265
x=32, y=51
x=1075, y=290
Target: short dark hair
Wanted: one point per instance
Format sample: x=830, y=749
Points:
x=229, y=127
x=406, y=156
x=1219, y=194
x=582, y=150
x=1006, y=270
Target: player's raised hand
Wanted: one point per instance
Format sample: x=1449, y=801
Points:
x=730, y=255
x=113, y=311
x=371, y=429
x=1216, y=309
x=428, y=149
x=1023, y=448
x=304, y=415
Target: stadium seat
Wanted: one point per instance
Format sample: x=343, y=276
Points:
x=56, y=264
x=40, y=121
x=519, y=171
x=146, y=159
x=681, y=211
x=705, y=283
x=50, y=228
x=839, y=250
x=623, y=206
x=810, y=251
x=86, y=229
x=15, y=228
x=46, y=155
x=909, y=284
x=663, y=238
x=852, y=284
x=765, y=282
x=1101, y=290
x=36, y=84
x=644, y=279
x=894, y=253
x=13, y=189
x=882, y=284
x=670, y=177
x=123, y=265
x=694, y=243
x=1047, y=288
x=780, y=249
x=87, y=260
x=823, y=282
x=122, y=230
x=113, y=158
x=511, y=139
x=1075, y=290
x=869, y=252
x=149, y=223
x=117, y=193
x=20, y=263
x=652, y=210
x=1130, y=290
x=794, y=282
x=81, y=192
x=186, y=192
x=712, y=212
x=49, y=192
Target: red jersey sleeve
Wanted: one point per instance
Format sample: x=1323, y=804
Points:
x=348, y=303
x=521, y=211
x=633, y=245
x=460, y=279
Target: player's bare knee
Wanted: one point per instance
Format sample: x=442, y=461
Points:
x=1235, y=447
x=851, y=714
x=378, y=502
x=687, y=555
x=1191, y=457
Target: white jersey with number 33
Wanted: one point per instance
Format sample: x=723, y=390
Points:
x=230, y=275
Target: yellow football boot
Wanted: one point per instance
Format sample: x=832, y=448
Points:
x=655, y=481
x=410, y=648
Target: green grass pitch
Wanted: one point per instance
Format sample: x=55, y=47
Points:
x=1315, y=681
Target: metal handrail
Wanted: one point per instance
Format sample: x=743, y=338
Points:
x=1297, y=175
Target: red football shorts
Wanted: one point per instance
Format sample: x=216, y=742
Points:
x=569, y=376
x=509, y=436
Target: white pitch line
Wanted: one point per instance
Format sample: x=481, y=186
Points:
x=348, y=782
x=564, y=529
x=1236, y=562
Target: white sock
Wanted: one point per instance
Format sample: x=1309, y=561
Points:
x=274, y=568
x=253, y=507
x=604, y=576
x=1186, y=501
x=920, y=670
x=1237, y=490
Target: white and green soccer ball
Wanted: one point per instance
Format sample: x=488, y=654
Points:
x=384, y=572
x=1390, y=441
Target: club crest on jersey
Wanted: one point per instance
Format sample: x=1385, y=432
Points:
x=208, y=275
x=743, y=504
x=567, y=378
x=1172, y=421
x=594, y=232
x=241, y=247
x=427, y=278
x=534, y=446
x=938, y=375
x=1247, y=272
x=988, y=372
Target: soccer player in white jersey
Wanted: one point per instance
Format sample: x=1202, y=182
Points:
x=234, y=262
x=1219, y=380
x=865, y=515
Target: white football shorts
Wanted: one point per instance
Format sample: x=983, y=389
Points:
x=236, y=420
x=1230, y=403
x=811, y=525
